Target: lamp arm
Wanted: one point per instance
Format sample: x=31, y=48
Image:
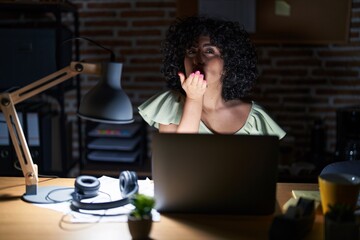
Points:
x=8, y=102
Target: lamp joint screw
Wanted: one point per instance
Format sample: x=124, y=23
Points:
x=30, y=175
x=79, y=67
x=5, y=101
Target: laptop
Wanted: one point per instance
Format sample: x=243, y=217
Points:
x=215, y=173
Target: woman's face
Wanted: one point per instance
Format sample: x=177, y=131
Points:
x=206, y=58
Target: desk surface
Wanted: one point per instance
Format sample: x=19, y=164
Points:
x=21, y=220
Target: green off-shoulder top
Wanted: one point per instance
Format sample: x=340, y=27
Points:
x=166, y=108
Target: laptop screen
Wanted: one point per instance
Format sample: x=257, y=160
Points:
x=206, y=173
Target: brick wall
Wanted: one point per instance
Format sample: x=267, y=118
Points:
x=297, y=84
x=134, y=31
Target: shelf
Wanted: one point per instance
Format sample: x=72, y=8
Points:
x=39, y=7
x=11, y=11
x=112, y=148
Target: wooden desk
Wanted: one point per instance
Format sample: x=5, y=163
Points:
x=20, y=220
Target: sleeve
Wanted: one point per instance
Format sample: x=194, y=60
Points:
x=164, y=108
x=260, y=122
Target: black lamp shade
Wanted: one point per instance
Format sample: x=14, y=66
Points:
x=107, y=102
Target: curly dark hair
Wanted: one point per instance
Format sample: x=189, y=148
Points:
x=237, y=51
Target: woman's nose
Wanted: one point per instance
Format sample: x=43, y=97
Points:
x=199, y=59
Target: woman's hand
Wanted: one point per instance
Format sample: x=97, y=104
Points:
x=194, y=85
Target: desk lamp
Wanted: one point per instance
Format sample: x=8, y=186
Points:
x=106, y=102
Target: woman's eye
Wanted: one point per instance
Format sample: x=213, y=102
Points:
x=191, y=52
x=209, y=51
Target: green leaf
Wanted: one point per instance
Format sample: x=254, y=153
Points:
x=143, y=205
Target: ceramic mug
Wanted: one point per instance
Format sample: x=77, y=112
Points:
x=338, y=188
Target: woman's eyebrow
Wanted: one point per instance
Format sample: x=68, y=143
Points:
x=208, y=45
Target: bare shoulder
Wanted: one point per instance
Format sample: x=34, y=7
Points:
x=240, y=107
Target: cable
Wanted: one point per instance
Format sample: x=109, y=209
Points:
x=49, y=198
x=17, y=167
x=112, y=54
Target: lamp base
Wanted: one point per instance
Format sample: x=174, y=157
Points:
x=50, y=194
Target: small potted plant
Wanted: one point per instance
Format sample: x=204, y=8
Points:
x=140, y=218
x=340, y=223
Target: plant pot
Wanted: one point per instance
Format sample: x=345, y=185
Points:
x=139, y=228
x=340, y=230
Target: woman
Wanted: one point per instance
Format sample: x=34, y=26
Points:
x=210, y=68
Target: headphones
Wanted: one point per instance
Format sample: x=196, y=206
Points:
x=88, y=187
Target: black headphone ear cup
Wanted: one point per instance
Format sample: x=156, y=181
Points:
x=128, y=183
x=86, y=186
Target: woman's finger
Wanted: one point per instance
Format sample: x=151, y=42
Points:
x=182, y=77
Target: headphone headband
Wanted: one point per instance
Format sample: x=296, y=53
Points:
x=88, y=186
